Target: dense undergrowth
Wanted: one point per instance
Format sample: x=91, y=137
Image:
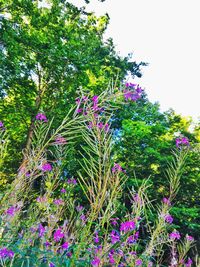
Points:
x=50, y=219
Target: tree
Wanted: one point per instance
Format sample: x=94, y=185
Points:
x=47, y=54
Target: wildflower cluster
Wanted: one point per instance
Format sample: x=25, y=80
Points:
x=77, y=221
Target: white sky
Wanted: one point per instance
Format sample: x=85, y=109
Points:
x=166, y=34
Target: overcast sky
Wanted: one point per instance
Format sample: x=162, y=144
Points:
x=164, y=33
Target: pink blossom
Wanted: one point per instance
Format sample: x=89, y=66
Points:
x=127, y=226
x=115, y=237
x=168, y=218
x=46, y=167
x=117, y=168
x=96, y=262
x=63, y=190
x=138, y=262
x=65, y=245
x=175, y=235
x=58, y=235
x=190, y=238
x=41, y=117
x=58, y=202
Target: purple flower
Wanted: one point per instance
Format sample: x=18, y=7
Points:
x=168, y=218
x=184, y=141
x=96, y=238
x=58, y=235
x=115, y=237
x=60, y=140
x=130, y=85
x=41, y=117
x=100, y=125
x=117, y=168
x=189, y=263
x=95, y=98
x=41, y=230
x=79, y=110
x=41, y=199
x=138, y=262
x=127, y=226
x=83, y=217
x=6, y=253
x=138, y=89
x=190, y=238
x=51, y=264
x=59, y=202
x=47, y=244
x=1, y=124
x=128, y=95
x=63, y=190
x=78, y=101
x=46, y=167
x=166, y=201
x=133, y=238
x=96, y=261
x=175, y=235
x=72, y=181
x=79, y=208
x=150, y=264
x=65, y=245
x=11, y=211
x=114, y=221
x=111, y=259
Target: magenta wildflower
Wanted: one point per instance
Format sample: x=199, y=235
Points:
x=184, y=141
x=11, y=211
x=175, y=235
x=166, y=201
x=127, y=226
x=128, y=95
x=113, y=221
x=83, y=217
x=79, y=208
x=133, y=238
x=130, y=85
x=115, y=237
x=51, y=264
x=90, y=125
x=190, y=238
x=168, y=218
x=6, y=253
x=117, y=168
x=72, y=181
x=95, y=98
x=58, y=235
x=63, y=190
x=41, y=230
x=79, y=110
x=47, y=244
x=111, y=259
x=78, y=101
x=96, y=238
x=2, y=128
x=41, y=199
x=59, y=202
x=138, y=262
x=46, y=167
x=65, y=245
x=96, y=262
x=188, y=263
x=41, y=117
